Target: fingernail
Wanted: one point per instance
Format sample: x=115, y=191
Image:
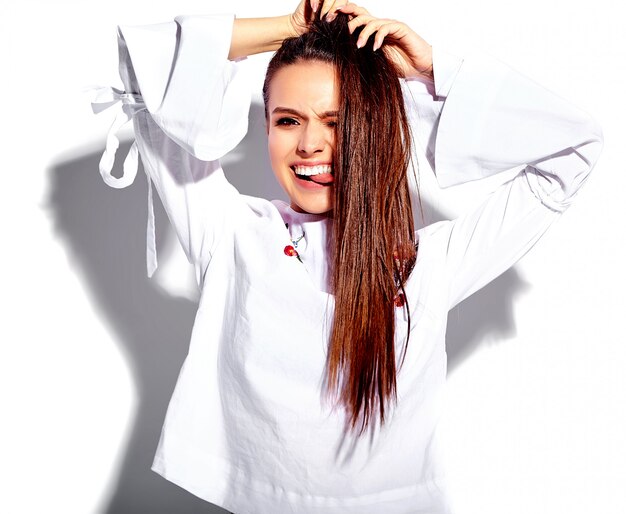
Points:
x=330, y=17
x=315, y=6
x=359, y=44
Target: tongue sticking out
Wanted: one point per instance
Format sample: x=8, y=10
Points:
x=322, y=178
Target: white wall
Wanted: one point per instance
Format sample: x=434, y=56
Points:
x=91, y=349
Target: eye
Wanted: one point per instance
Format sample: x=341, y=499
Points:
x=332, y=124
x=286, y=121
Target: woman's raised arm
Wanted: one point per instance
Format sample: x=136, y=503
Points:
x=257, y=35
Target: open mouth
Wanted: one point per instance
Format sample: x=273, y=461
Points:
x=321, y=174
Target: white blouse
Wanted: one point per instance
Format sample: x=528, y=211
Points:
x=247, y=428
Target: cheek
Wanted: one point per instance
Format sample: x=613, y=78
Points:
x=280, y=146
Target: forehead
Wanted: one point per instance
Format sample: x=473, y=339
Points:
x=306, y=86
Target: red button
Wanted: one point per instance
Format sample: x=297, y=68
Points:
x=290, y=251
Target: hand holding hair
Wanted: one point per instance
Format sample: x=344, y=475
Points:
x=307, y=10
x=410, y=52
x=303, y=15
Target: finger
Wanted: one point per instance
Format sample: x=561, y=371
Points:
x=337, y=6
x=391, y=28
x=354, y=23
x=383, y=32
x=368, y=30
x=355, y=10
x=327, y=7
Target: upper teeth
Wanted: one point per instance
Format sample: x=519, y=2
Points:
x=313, y=170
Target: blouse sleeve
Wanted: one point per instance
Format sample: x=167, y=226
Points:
x=189, y=105
x=481, y=117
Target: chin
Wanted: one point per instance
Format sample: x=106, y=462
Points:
x=321, y=207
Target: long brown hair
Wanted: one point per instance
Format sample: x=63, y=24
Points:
x=372, y=241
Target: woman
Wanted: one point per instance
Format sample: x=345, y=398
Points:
x=317, y=361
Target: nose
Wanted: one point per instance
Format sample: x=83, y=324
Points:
x=312, y=139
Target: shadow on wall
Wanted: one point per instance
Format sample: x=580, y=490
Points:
x=104, y=234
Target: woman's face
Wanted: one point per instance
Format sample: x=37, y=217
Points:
x=302, y=114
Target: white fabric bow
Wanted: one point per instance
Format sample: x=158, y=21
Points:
x=128, y=104
x=104, y=98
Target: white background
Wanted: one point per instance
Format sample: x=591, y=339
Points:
x=90, y=348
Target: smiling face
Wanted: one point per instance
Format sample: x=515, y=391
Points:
x=302, y=115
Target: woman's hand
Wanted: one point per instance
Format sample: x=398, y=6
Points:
x=301, y=17
x=307, y=9
x=412, y=54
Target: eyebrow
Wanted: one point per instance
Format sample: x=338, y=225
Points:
x=287, y=110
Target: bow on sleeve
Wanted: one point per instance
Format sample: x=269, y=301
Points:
x=154, y=48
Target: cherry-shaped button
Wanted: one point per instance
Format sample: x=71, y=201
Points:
x=290, y=251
